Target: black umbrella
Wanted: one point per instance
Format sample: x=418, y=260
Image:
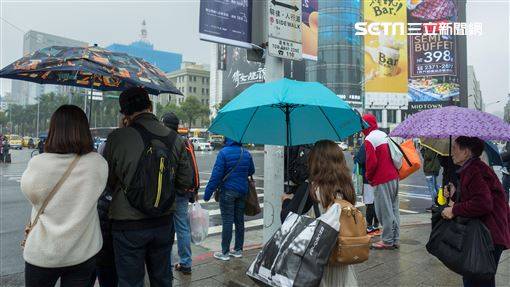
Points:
x=90, y=67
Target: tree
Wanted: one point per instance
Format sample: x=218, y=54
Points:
x=192, y=110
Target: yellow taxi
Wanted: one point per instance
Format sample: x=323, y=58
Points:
x=15, y=141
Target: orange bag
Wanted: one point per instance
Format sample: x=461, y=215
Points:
x=411, y=162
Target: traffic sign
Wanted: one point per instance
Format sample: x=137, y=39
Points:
x=284, y=18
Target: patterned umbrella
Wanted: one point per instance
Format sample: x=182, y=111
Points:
x=89, y=67
x=453, y=121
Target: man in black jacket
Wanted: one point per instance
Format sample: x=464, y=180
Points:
x=141, y=240
x=181, y=222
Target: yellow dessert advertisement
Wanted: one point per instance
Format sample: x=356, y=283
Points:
x=386, y=46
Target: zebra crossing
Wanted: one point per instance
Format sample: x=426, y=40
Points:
x=255, y=222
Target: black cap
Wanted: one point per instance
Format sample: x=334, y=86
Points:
x=134, y=100
x=171, y=121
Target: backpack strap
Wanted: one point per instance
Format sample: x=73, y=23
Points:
x=147, y=136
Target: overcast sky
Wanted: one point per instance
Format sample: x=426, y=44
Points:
x=173, y=26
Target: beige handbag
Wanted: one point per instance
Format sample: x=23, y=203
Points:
x=30, y=225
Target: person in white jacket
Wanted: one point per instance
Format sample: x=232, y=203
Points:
x=64, y=240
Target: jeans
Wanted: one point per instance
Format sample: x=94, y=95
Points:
x=472, y=282
x=72, y=276
x=182, y=229
x=137, y=249
x=432, y=185
x=232, y=205
x=386, y=202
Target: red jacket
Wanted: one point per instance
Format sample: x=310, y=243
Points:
x=379, y=165
x=483, y=196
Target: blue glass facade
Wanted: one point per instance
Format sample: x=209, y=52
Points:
x=340, y=64
x=166, y=61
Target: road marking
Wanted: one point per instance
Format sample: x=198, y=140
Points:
x=259, y=195
x=411, y=185
x=414, y=195
x=214, y=212
x=408, y=211
x=201, y=193
x=251, y=223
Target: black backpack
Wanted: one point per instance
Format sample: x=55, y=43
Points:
x=298, y=169
x=152, y=188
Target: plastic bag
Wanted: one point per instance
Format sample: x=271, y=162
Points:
x=199, y=222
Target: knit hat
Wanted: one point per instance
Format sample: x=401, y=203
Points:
x=134, y=100
x=171, y=121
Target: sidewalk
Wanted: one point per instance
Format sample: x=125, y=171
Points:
x=409, y=266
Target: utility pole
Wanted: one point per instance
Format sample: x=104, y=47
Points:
x=273, y=165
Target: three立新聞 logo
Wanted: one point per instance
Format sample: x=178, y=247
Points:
x=418, y=29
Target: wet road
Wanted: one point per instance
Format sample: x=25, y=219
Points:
x=14, y=209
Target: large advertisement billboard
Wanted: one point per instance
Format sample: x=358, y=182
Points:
x=385, y=53
x=310, y=28
x=239, y=73
x=433, y=55
x=226, y=21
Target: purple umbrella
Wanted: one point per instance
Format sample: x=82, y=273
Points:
x=453, y=121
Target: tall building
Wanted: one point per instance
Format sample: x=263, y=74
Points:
x=192, y=80
x=26, y=93
x=166, y=61
x=340, y=59
x=475, y=100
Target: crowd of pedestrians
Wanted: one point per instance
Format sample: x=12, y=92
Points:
x=112, y=216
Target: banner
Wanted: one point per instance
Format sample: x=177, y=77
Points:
x=226, y=21
x=433, y=64
x=385, y=54
x=240, y=73
x=310, y=28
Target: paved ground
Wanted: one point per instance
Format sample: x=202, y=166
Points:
x=409, y=266
x=14, y=211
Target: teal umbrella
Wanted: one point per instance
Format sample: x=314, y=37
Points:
x=287, y=113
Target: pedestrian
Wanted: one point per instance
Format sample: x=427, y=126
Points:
x=431, y=168
x=505, y=156
x=143, y=238
x=63, y=185
x=368, y=194
x=5, y=150
x=330, y=179
x=481, y=196
x=383, y=177
x=233, y=166
x=181, y=220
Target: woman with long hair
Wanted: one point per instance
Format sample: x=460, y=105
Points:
x=63, y=185
x=329, y=179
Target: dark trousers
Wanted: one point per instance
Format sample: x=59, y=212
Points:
x=232, y=205
x=506, y=185
x=473, y=282
x=72, y=276
x=371, y=216
x=137, y=249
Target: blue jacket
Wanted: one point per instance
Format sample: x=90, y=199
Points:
x=225, y=162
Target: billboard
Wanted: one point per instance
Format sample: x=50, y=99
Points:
x=226, y=21
x=310, y=28
x=385, y=54
x=433, y=56
x=239, y=73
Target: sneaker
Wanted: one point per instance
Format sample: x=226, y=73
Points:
x=221, y=256
x=183, y=269
x=236, y=254
x=370, y=229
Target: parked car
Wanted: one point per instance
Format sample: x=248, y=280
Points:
x=216, y=141
x=200, y=144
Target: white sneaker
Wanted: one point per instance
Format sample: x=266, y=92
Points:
x=221, y=256
x=236, y=254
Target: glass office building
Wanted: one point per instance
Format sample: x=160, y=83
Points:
x=340, y=63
